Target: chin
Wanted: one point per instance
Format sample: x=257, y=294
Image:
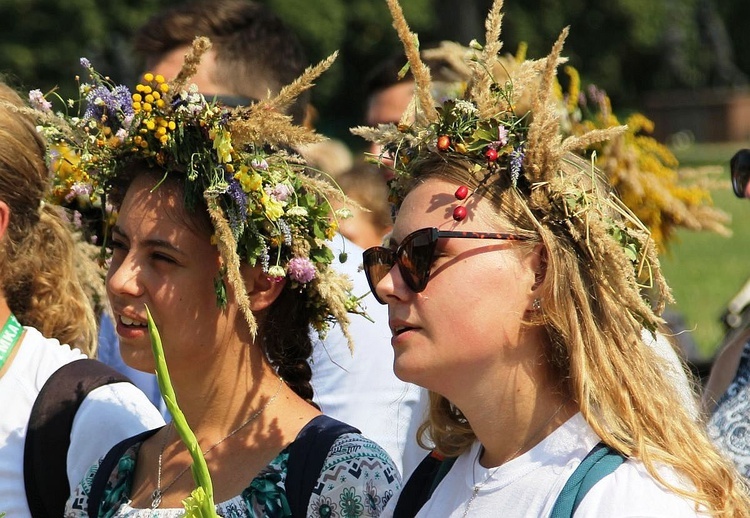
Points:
x=138, y=359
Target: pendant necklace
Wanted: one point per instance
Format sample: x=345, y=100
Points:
x=157, y=494
x=491, y=473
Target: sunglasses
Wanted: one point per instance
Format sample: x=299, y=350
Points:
x=740, y=168
x=415, y=255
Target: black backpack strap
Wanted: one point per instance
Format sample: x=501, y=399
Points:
x=107, y=465
x=421, y=484
x=307, y=454
x=47, y=440
x=600, y=462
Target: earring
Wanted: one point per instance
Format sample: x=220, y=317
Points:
x=536, y=305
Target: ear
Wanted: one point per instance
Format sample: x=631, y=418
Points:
x=4, y=218
x=261, y=289
x=539, y=265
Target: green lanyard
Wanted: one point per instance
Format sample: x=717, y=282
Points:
x=9, y=336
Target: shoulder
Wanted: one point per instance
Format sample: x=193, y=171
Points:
x=353, y=446
x=358, y=478
x=117, y=484
x=632, y=491
x=39, y=357
x=108, y=415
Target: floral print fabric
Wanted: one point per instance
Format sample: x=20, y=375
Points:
x=358, y=479
x=729, y=426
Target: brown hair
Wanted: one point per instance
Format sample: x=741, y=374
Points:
x=283, y=328
x=41, y=264
x=255, y=52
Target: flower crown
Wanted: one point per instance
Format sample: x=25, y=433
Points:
x=507, y=123
x=266, y=209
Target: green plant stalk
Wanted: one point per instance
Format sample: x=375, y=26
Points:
x=200, y=504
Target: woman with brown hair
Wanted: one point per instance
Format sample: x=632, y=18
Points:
x=222, y=235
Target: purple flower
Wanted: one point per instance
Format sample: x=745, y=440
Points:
x=502, y=137
x=38, y=102
x=265, y=259
x=76, y=190
x=516, y=164
x=280, y=192
x=259, y=164
x=301, y=269
x=85, y=63
x=109, y=106
x=238, y=210
x=284, y=226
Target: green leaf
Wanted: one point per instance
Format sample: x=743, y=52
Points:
x=205, y=490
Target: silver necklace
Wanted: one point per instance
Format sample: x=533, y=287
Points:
x=492, y=472
x=157, y=494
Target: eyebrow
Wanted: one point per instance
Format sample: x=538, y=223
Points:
x=156, y=243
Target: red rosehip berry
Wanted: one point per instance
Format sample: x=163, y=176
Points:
x=462, y=192
x=491, y=154
x=459, y=213
x=443, y=142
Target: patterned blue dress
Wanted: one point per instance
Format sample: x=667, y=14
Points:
x=729, y=426
x=358, y=479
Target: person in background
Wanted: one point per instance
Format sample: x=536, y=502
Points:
x=726, y=398
x=48, y=319
x=253, y=54
x=364, y=184
x=513, y=279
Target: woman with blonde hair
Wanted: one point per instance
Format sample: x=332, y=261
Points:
x=43, y=304
x=518, y=287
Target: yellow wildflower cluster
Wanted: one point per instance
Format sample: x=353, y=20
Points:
x=148, y=96
x=642, y=170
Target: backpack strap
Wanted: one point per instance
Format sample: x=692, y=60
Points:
x=600, y=462
x=307, y=454
x=422, y=483
x=47, y=440
x=107, y=465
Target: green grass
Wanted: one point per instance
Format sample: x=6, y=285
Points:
x=706, y=270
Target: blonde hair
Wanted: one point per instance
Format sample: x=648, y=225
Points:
x=40, y=259
x=589, y=310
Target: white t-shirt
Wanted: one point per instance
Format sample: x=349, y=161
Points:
x=528, y=486
x=675, y=370
x=360, y=388
x=107, y=415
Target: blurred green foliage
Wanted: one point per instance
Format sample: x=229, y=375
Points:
x=627, y=47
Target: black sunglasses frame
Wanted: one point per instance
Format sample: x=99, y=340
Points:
x=415, y=268
x=739, y=167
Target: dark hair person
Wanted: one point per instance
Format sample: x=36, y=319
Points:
x=222, y=234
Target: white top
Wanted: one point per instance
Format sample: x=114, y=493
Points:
x=107, y=415
x=361, y=388
x=675, y=371
x=529, y=485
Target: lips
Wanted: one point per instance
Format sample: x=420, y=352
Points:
x=400, y=327
x=132, y=323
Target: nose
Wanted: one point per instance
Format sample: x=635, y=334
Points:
x=392, y=286
x=123, y=276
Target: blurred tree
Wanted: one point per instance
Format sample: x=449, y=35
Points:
x=627, y=47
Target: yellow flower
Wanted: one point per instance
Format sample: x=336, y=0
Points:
x=274, y=209
x=222, y=144
x=250, y=182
